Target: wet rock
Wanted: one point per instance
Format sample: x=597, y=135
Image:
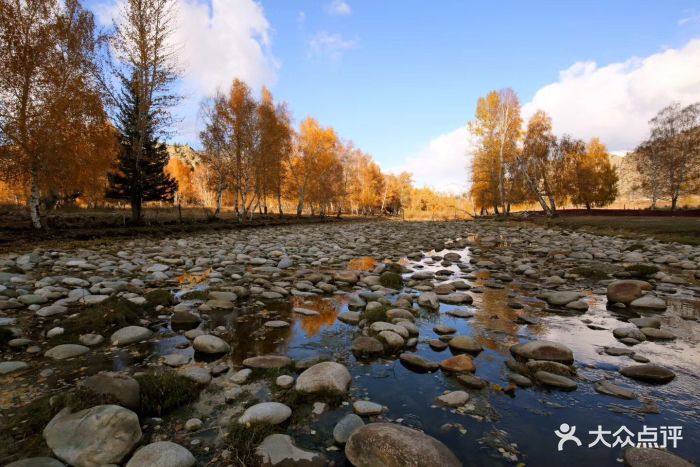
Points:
x=162, y=454
x=460, y=313
x=121, y=387
x=346, y=426
x=629, y=332
x=276, y=324
x=364, y=346
x=649, y=302
x=367, y=408
x=657, y=334
x=648, y=457
x=649, y=373
x=625, y=291
x=391, y=341
x=453, y=399
x=554, y=380
x=429, y=300
x=184, y=319
x=464, y=344
x=562, y=298
x=350, y=317
x=443, y=329
x=305, y=311
x=618, y=351
x=557, y=368
x=11, y=367
x=268, y=361
x=51, y=310
x=646, y=322
x=272, y=413
x=279, y=450
x=458, y=364
x=610, y=389
x=520, y=380
x=63, y=351
x=349, y=277
x=380, y=326
x=392, y=445
x=415, y=361
x=210, y=344
x=437, y=345
x=130, y=335
x=399, y=313
x=104, y=434
x=543, y=350
x=471, y=381
x=324, y=377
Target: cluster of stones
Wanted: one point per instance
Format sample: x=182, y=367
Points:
x=252, y=267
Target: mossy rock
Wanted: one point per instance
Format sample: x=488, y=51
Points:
x=195, y=295
x=165, y=391
x=590, y=273
x=375, y=315
x=394, y=267
x=102, y=318
x=160, y=297
x=391, y=279
x=642, y=270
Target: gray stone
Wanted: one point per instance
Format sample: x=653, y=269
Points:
x=210, y=344
x=543, y=350
x=649, y=302
x=272, y=413
x=63, y=351
x=346, y=426
x=364, y=346
x=324, y=377
x=648, y=457
x=37, y=462
x=11, y=367
x=392, y=445
x=268, y=361
x=162, y=454
x=610, y=389
x=417, y=362
x=279, y=450
x=464, y=344
x=453, y=399
x=130, y=335
x=104, y=434
x=648, y=372
x=554, y=380
x=367, y=408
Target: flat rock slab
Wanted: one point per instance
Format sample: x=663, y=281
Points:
x=305, y=311
x=610, y=389
x=63, y=351
x=130, y=335
x=268, y=361
x=10, y=367
x=555, y=381
x=458, y=364
x=543, y=350
x=367, y=408
x=414, y=361
x=453, y=399
x=649, y=373
x=279, y=450
x=464, y=344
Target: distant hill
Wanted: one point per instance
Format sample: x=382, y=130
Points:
x=185, y=153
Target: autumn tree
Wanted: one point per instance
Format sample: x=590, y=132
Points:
x=591, y=179
x=541, y=163
x=498, y=128
x=316, y=172
x=648, y=160
x=675, y=146
x=53, y=127
x=217, y=155
x=146, y=72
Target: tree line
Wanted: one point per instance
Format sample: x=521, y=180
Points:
x=85, y=113
x=513, y=165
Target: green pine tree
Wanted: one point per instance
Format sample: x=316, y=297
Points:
x=140, y=175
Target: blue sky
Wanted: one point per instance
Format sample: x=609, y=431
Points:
x=401, y=78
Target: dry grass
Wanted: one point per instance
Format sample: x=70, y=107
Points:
x=666, y=229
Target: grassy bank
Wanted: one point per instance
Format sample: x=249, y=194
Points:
x=665, y=229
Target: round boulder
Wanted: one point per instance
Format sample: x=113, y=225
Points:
x=324, y=377
x=210, y=344
x=162, y=454
x=543, y=350
x=392, y=445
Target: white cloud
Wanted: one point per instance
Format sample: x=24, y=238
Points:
x=329, y=46
x=444, y=163
x=338, y=7
x=613, y=102
x=217, y=41
x=616, y=101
